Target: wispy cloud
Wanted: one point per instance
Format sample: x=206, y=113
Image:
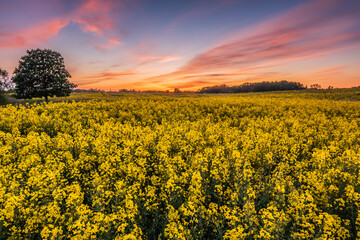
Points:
x=116, y=74
x=144, y=59
x=305, y=32
x=330, y=70
x=104, y=78
x=111, y=42
x=196, y=81
x=309, y=31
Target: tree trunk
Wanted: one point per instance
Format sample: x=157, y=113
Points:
x=46, y=99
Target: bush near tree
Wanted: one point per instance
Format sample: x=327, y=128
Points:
x=5, y=84
x=4, y=81
x=42, y=73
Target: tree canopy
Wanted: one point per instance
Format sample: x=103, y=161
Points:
x=42, y=73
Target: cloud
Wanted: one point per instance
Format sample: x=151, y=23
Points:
x=188, y=84
x=103, y=78
x=147, y=52
x=218, y=75
x=32, y=35
x=195, y=82
x=330, y=70
x=145, y=59
x=111, y=42
x=97, y=17
x=117, y=74
x=93, y=16
x=309, y=31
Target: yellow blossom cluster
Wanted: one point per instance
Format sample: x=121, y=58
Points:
x=244, y=166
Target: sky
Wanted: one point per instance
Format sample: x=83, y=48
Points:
x=188, y=44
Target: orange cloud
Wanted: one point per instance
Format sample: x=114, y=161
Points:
x=190, y=84
x=107, y=75
x=229, y=79
x=103, y=78
x=195, y=82
x=218, y=75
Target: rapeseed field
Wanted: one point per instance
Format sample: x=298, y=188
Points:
x=187, y=166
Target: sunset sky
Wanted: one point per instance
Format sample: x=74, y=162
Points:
x=188, y=44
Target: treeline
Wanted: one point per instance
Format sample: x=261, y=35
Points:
x=254, y=87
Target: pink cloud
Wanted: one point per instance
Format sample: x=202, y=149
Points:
x=305, y=32
x=158, y=58
x=111, y=42
x=94, y=16
x=117, y=74
x=33, y=35
x=330, y=70
x=309, y=31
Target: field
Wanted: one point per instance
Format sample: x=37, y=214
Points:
x=281, y=165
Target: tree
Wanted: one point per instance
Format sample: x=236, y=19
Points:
x=42, y=73
x=254, y=87
x=3, y=73
x=5, y=84
x=3, y=80
x=315, y=86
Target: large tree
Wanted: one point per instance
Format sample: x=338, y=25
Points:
x=42, y=73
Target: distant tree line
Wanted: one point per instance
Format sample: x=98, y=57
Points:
x=254, y=87
x=87, y=90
